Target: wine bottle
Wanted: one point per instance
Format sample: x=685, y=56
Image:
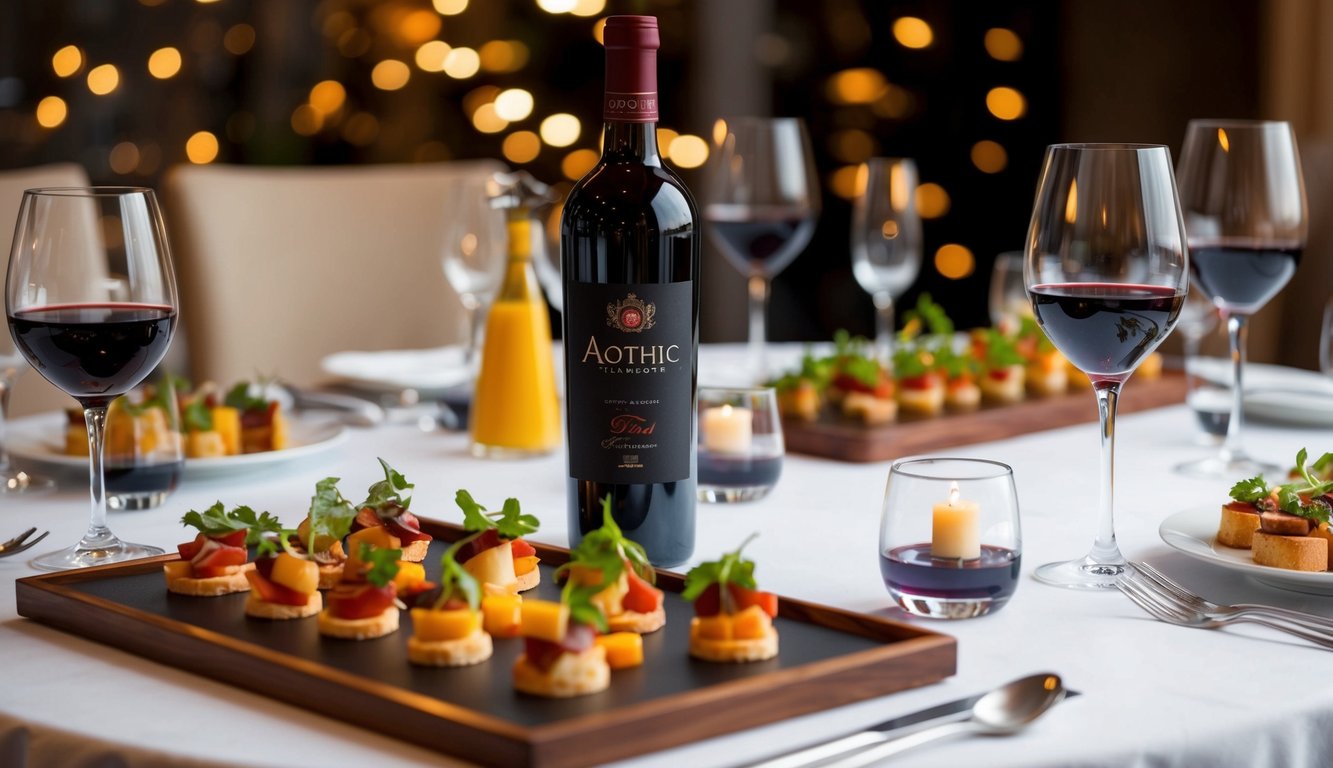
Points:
x=629, y=249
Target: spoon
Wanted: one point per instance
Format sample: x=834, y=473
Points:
x=1003, y=711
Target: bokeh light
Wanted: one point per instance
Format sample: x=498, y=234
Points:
x=911, y=32
x=588, y=7
x=327, y=97
x=462, y=63
x=1003, y=44
x=513, y=104
x=164, y=63
x=51, y=112
x=430, y=56
x=486, y=120
x=521, y=147
x=852, y=145
x=1006, y=103
x=418, y=26
x=557, y=6
x=361, y=129
x=503, y=56
x=954, y=261
x=932, y=201
x=450, y=7
x=664, y=138
x=306, y=120
x=67, y=61
x=561, y=129
x=124, y=157
x=239, y=39
x=390, y=75
x=861, y=85
x=847, y=181
x=103, y=79
x=202, y=148
x=688, y=151
x=989, y=157
x=577, y=163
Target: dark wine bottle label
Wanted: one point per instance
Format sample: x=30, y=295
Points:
x=629, y=357
x=631, y=44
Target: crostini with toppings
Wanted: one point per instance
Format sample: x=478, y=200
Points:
x=498, y=557
x=561, y=656
x=364, y=604
x=1284, y=526
x=386, y=506
x=449, y=632
x=215, y=562
x=319, y=536
x=733, y=619
x=630, y=602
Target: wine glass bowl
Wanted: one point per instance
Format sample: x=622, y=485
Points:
x=763, y=204
x=473, y=257
x=886, y=239
x=91, y=303
x=1243, y=200
x=1106, y=271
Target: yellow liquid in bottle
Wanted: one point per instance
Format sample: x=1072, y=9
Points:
x=515, y=410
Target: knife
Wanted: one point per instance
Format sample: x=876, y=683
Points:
x=953, y=711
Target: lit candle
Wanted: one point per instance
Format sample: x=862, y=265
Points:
x=726, y=429
x=955, y=533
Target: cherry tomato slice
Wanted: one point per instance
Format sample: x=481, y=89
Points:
x=273, y=592
x=642, y=597
x=522, y=549
x=360, y=601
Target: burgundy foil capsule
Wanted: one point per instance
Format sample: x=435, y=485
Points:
x=631, y=44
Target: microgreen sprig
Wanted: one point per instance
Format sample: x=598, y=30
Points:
x=216, y=521
x=731, y=568
x=509, y=522
x=454, y=579
x=389, y=491
x=383, y=563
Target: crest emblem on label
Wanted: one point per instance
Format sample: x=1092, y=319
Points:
x=631, y=314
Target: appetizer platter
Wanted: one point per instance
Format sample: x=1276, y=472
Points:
x=945, y=389
x=490, y=648
x=1277, y=533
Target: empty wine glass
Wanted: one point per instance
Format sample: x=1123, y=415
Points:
x=763, y=202
x=91, y=303
x=474, y=254
x=1244, y=204
x=14, y=482
x=1008, y=300
x=1107, y=273
x=886, y=240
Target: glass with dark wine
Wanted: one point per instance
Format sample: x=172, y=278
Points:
x=1107, y=273
x=762, y=206
x=91, y=303
x=950, y=545
x=1243, y=199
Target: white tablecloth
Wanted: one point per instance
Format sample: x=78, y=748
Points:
x=1153, y=694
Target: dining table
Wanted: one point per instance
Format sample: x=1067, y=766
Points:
x=1151, y=693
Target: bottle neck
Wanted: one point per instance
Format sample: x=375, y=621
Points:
x=635, y=142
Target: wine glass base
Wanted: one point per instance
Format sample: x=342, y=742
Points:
x=24, y=484
x=1235, y=468
x=1084, y=573
x=81, y=556
x=715, y=494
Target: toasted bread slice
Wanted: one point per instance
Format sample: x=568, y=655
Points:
x=868, y=408
x=359, y=629
x=642, y=623
x=1295, y=553
x=925, y=402
x=416, y=551
x=262, y=609
x=572, y=674
x=465, y=651
x=180, y=582
x=1238, y=524
x=529, y=580
x=964, y=397
x=1006, y=390
x=1325, y=533
x=730, y=651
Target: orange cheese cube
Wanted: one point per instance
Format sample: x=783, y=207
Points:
x=750, y=624
x=524, y=565
x=409, y=575
x=623, y=649
x=227, y=423
x=177, y=569
x=295, y=573
x=433, y=626
x=716, y=627
x=502, y=615
x=544, y=620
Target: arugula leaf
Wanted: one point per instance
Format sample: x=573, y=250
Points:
x=607, y=548
x=509, y=522
x=197, y=415
x=1250, y=491
x=454, y=579
x=330, y=514
x=239, y=397
x=215, y=521
x=1000, y=350
x=1288, y=500
x=383, y=563
x=581, y=607
x=389, y=490
x=730, y=569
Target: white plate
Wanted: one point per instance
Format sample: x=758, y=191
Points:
x=1194, y=532
x=41, y=440
x=428, y=371
x=1280, y=394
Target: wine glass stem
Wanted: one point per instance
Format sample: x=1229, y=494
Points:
x=884, y=328
x=758, y=334
x=1104, y=548
x=5, y=389
x=98, y=532
x=473, y=307
x=1238, y=332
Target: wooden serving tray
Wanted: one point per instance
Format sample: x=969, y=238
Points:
x=828, y=657
x=847, y=440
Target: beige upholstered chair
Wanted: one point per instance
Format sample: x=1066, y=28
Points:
x=279, y=267
x=32, y=393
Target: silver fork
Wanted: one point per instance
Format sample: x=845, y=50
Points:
x=1174, y=613
x=20, y=542
x=1156, y=579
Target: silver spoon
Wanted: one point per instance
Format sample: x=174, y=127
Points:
x=1001, y=712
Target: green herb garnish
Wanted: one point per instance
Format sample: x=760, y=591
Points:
x=330, y=514
x=509, y=522
x=1000, y=350
x=1250, y=491
x=215, y=521
x=454, y=579
x=196, y=414
x=239, y=397
x=388, y=491
x=383, y=563
x=730, y=569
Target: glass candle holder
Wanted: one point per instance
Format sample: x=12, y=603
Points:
x=950, y=545
x=740, y=443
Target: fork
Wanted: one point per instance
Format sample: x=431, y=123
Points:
x=20, y=542
x=1173, y=613
x=1157, y=580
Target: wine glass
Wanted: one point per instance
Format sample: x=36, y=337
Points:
x=91, y=302
x=1107, y=272
x=1244, y=204
x=474, y=254
x=1326, y=341
x=886, y=240
x=1008, y=301
x=763, y=203
x=14, y=482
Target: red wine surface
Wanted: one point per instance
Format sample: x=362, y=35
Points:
x=1106, y=329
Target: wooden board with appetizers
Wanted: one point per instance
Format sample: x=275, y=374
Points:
x=474, y=642
x=944, y=390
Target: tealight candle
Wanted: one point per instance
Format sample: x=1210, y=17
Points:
x=955, y=532
x=726, y=429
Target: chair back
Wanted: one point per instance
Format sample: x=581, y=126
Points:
x=280, y=267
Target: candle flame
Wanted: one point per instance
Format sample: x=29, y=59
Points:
x=726, y=411
x=953, y=494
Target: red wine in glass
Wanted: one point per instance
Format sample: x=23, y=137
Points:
x=1106, y=329
x=1242, y=276
x=763, y=239
x=911, y=571
x=94, y=352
